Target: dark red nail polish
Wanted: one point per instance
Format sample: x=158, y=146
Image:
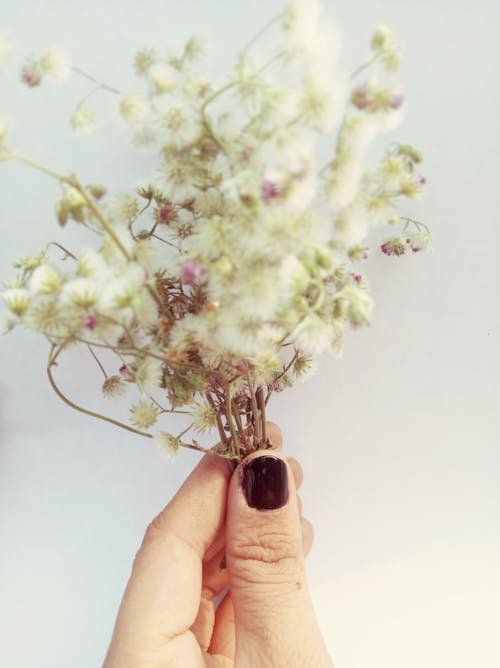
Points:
x=265, y=483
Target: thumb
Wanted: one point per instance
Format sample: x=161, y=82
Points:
x=274, y=617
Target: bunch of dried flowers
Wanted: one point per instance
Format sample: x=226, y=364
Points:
x=221, y=278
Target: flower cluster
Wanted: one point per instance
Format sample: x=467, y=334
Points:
x=220, y=279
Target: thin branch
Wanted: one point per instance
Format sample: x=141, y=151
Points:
x=255, y=410
x=229, y=419
x=98, y=83
x=97, y=360
x=80, y=409
x=65, y=250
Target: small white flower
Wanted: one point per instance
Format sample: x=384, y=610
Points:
x=83, y=122
x=351, y=225
x=144, y=414
x=149, y=375
x=17, y=300
x=134, y=108
x=45, y=280
x=91, y=265
x=122, y=208
x=163, y=77
x=313, y=335
x=178, y=119
x=167, y=444
x=82, y=292
x=56, y=64
x=203, y=417
x=294, y=277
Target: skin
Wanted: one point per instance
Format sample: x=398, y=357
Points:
x=167, y=617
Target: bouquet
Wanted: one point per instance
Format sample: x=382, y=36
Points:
x=219, y=278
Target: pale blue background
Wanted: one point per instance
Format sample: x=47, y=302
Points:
x=399, y=440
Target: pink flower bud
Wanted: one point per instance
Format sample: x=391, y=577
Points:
x=123, y=370
x=269, y=190
x=396, y=100
x=192, y=271
x=89, y=321
x=166, y=213
x=31, y=74
x=357, y=277
x=241, y=369
x=360, y=98
x=393, y=246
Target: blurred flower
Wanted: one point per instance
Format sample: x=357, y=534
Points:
x=55, y=63
x=83, y=122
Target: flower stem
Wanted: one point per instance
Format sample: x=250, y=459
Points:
x=229, y=419
x=98, y=83
x=80, y=409
x=97, y=360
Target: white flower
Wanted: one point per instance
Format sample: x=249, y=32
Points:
x=163, y=77
x=83, y=122
x=203, y=417
x=294, y=277
x=144, y=414
x=149, y=375
x=357, y=304
x=91, y=265
x=351, y=225
x=344, y=181
x=178, y=119
x=167, y=444
x=45, y=280
x=82, y=292
x=134, y=108
x=56, y=64
x=122, y=208
x=17, y=300
x=313, y=335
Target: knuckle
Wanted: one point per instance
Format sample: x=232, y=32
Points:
x=270, y=552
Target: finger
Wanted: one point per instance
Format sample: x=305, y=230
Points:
x=299, y=504
x=307, y=535
x=162, y=597
x=214, y=580
x=298, y=473
x=223, y=638
x=274, y=617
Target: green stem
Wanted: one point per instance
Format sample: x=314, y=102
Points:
x=220, y=426
x=98, y=83
x=80, y=409
x=365, y=66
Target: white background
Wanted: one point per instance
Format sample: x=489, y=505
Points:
x=398, y=440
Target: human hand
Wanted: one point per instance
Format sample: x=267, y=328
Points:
x=266, y=619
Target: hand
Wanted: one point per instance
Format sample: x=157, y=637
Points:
x=266, y=619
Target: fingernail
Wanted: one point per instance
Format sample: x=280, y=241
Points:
x=265, y=483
